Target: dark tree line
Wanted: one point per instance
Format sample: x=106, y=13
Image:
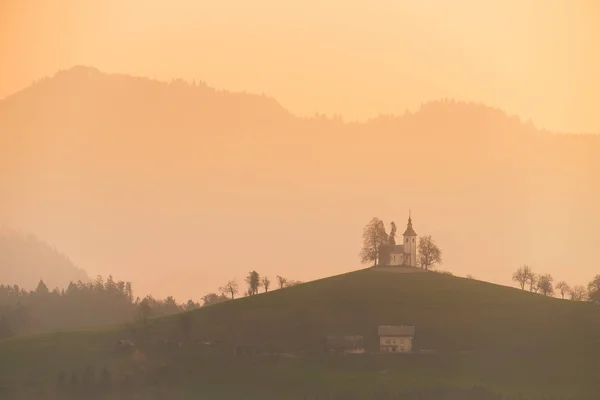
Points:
x=102, y=302
x=527, y=279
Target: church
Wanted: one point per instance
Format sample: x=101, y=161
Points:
x=404, y=254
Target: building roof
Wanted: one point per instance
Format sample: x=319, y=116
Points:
x=396, y=249
x=409, y=229
x=388, y=330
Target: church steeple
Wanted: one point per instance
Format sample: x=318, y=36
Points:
x=410, y=244
x=409, y=228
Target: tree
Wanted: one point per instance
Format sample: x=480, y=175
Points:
x=593, y=290
x=42, y=289
x=544, y=284
x=374, y=236
x=191, y=305
x=392, y=237
x=145, y=309
x=578, y=293
x=522, y=276
x=213, y=298
x=562, y=288
x=532, y=280
x=253, y=281
x=231, y=288
x=265, y=283
x=429, y=252
x=282, y=281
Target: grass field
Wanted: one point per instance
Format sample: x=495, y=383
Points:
x=510, y=340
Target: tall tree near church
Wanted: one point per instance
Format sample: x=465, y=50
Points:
x=253, y=281
x=429, y=253
x=374, y=236
x=392, y=237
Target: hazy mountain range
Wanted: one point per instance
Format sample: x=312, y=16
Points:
x=25, y=259
x=179, y=187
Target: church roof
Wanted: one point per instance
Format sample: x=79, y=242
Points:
x=396, y=248
x=409, y=229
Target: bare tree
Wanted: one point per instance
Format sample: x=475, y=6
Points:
x=578, y=293
x=544, y=285
x=282, y=281
x=266, y=282
x=522, y=276
x=593, y=291
x=231, y=288
x=562, y=288
x=469, y=276
x=374, y=236
x=429, y=253
x=532, y=280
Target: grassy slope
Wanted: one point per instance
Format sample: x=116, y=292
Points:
x=511, y=340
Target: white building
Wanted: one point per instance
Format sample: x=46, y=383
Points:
x=404, y=254
x=396, y=339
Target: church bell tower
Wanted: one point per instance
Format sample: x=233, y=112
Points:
x=410, y=244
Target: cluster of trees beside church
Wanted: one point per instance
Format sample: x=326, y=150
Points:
x=527, y=279
x=375, y=238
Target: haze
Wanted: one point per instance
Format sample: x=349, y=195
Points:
x=179, y=188
x=358, y=58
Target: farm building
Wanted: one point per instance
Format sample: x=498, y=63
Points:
x=396, y=339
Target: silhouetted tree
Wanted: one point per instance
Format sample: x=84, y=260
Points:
x=281, y=281
x=544, y=285
x=265, y=283
x=253, y=282
x=593, y=290
x=392, y=236
x=562, y=288
x=213, y=298
x=145, y=310
x=374, y=237
x=532, y=280
x=429, y=253
x=578, y=293
x=231, y=288
x=522, y=276
x=42, y=289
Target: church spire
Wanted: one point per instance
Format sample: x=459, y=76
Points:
x=409, y=228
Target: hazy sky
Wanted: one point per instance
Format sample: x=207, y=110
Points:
x=535, y=58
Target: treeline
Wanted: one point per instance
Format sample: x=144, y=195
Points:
x=527, y=279
x=101, y=302
x=254, y=283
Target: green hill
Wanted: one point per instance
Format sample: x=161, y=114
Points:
x=507, y=339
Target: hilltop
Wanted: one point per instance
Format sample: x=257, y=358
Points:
x=506, y=339
x=26, y=259
x=136, y=176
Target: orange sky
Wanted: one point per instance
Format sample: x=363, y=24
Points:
x=535, y=58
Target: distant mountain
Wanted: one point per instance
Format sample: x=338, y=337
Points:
x=25, y=259
x=139, y=177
